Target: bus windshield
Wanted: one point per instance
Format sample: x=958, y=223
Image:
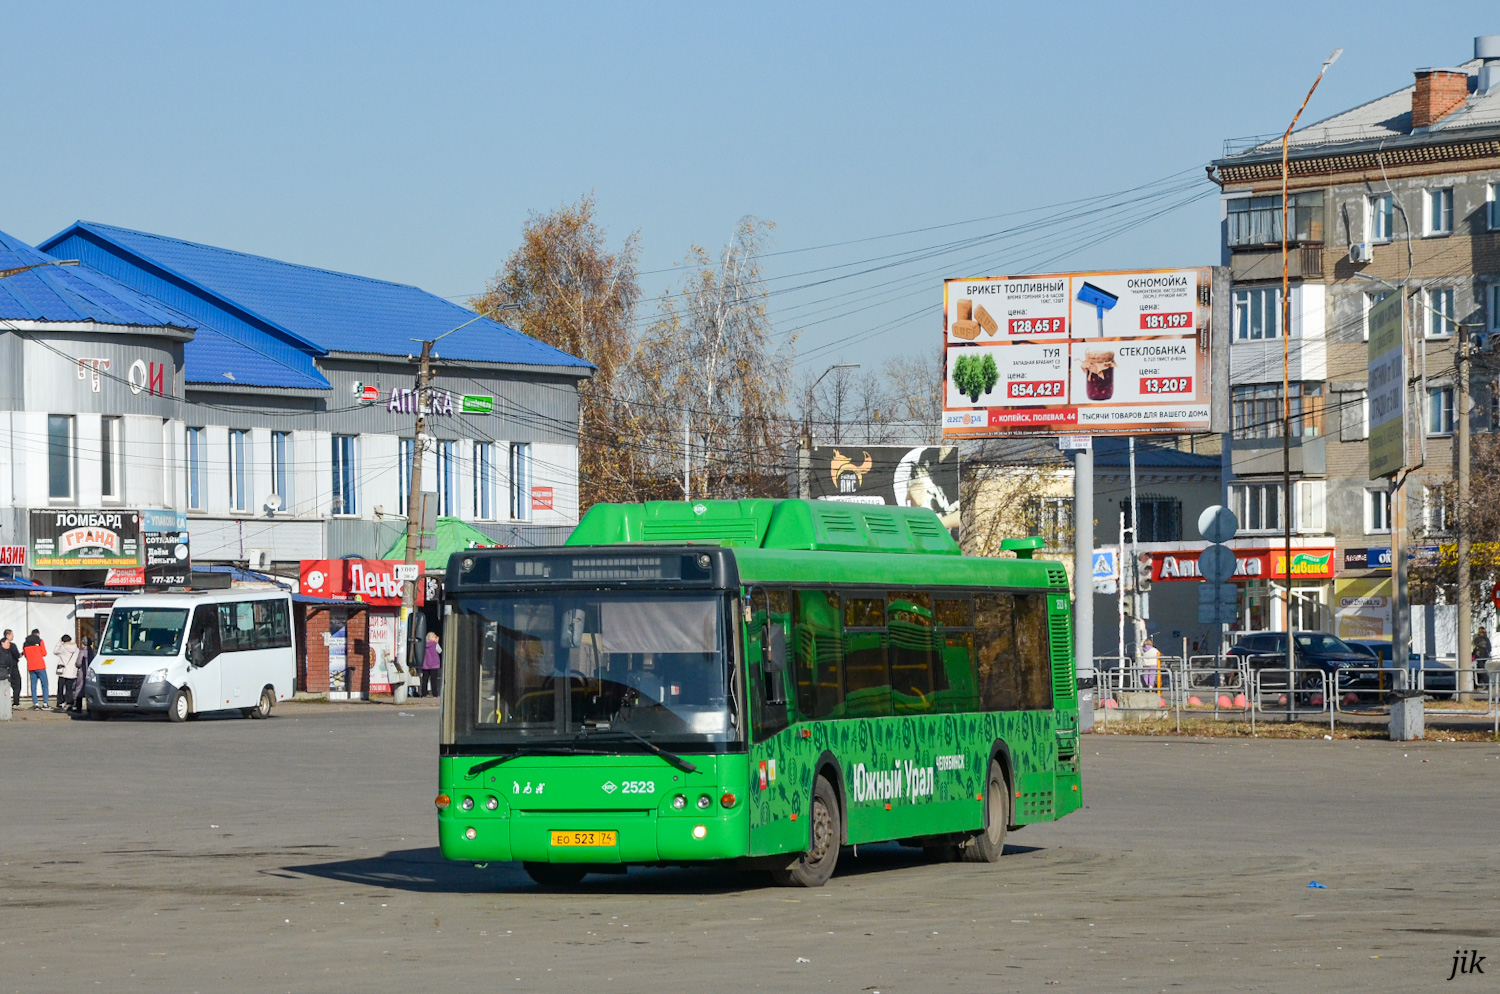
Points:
x=579, y=665
x=144, y=631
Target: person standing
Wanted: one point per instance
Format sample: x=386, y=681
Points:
x=9, y=667
x=67, y=671
x=1481, y=648
x=432, y=666
x=85, y=659
x=1150, y=665
x=9, y=647
x=35, y=651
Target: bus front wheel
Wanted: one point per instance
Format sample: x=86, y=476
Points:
x=180, y=707
x=989, y=843
x=813, y=867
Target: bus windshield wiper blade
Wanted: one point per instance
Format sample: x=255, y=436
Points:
x=670, y=757
x=557, y=750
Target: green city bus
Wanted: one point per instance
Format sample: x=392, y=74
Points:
x=763, y=681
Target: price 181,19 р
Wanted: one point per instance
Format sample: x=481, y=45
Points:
x=1166, y=322
x=1031, y=389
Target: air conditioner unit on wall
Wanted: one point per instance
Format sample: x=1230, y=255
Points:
x=1361, y=252
x=258, y=559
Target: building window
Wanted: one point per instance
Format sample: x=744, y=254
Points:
x=1257, y=313
x=1494, y=309
x=1440, y=411
x=1161, y=519
x=60, y=456
x=1437, y=509
x=1257, y=505
x=1377, y=512
x=1371, y=299
x=345, y=474
x=1354, y=415
x=520, y=481
x=282, y=456
x=109, y=459
x=447, y=479
x=1312, y=516
x=484, y=481
x=403, y=473
x=1381, y=217
x=239, y=469
x=1439, y=311
x=195, y=460
x=1439, y=211
x=1491, y=208
x=1256, y=410
x=1052, y=519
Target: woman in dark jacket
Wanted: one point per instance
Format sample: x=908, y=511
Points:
x=85, y=658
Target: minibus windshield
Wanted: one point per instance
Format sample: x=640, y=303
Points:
x=144, y=631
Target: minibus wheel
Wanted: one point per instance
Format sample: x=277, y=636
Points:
x=180, y=707
x=263, y=708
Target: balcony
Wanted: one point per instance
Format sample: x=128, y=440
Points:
x=1260, y=456
x=1261, y=226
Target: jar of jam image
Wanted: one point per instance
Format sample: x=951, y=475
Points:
x=1099, y=374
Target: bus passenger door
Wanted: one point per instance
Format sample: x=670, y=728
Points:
x=205, y=666
x=774, y=785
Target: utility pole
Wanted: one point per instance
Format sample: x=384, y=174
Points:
x=1465, y=674
x=1083, y=582
x=414, y=511
x=1286, y=377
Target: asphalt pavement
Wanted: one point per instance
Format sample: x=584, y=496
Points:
x=298, y=854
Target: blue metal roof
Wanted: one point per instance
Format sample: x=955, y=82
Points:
x=318, y=310
x=249, y=360
x=74, y=293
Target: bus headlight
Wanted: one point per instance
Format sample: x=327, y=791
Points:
x=492, y=802
x=160, y=676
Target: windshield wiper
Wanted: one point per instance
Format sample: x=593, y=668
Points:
x=670, y=757
x=558, y=750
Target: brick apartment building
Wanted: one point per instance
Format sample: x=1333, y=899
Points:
x=1395, y=195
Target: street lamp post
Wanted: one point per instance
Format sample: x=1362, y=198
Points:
x=1286, y=377
x=807, y=438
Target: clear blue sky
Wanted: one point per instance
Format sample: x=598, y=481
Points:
x=409, y=141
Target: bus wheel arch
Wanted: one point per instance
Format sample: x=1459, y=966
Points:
x=180, y=706
x=1000, y=753
x=827, y=766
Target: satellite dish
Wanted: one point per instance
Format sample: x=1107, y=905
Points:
x=273, y=503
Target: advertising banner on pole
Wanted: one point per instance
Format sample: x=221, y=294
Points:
x=164, y=537
x=1387, y=386
x=1093, y=353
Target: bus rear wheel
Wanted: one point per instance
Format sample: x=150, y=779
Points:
x=262, y=708
x=988, y=844
x=813, y=867
x=554, y=874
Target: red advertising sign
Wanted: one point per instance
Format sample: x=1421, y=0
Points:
x=1250, y=564
x=369, y=581
x=541, y=498
x=131, y=577
x=12, y=555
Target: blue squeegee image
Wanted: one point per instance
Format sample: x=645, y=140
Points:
x=1102, y=300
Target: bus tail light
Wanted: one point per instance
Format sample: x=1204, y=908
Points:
x=727, y=800
x=442, y=801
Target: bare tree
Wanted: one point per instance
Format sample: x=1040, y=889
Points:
x=573, y=292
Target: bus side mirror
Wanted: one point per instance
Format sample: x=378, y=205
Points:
x=773, y=648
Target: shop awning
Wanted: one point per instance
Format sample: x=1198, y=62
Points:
x=452, y=535
x=18, y=585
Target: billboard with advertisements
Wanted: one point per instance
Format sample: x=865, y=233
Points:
x=1096, y=353
x=1250, y=564
x=78, y=539
x=902, y=475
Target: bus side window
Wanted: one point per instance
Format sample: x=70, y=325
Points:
x=1013, y=652
x=819, y=653
x=867, y=679
x=909, y=620
x=767, y=687
x=954, y=679
x=203, y=636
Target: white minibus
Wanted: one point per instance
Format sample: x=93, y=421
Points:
x=185, y=654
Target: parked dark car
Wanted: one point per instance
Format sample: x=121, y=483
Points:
x=1315, y=651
